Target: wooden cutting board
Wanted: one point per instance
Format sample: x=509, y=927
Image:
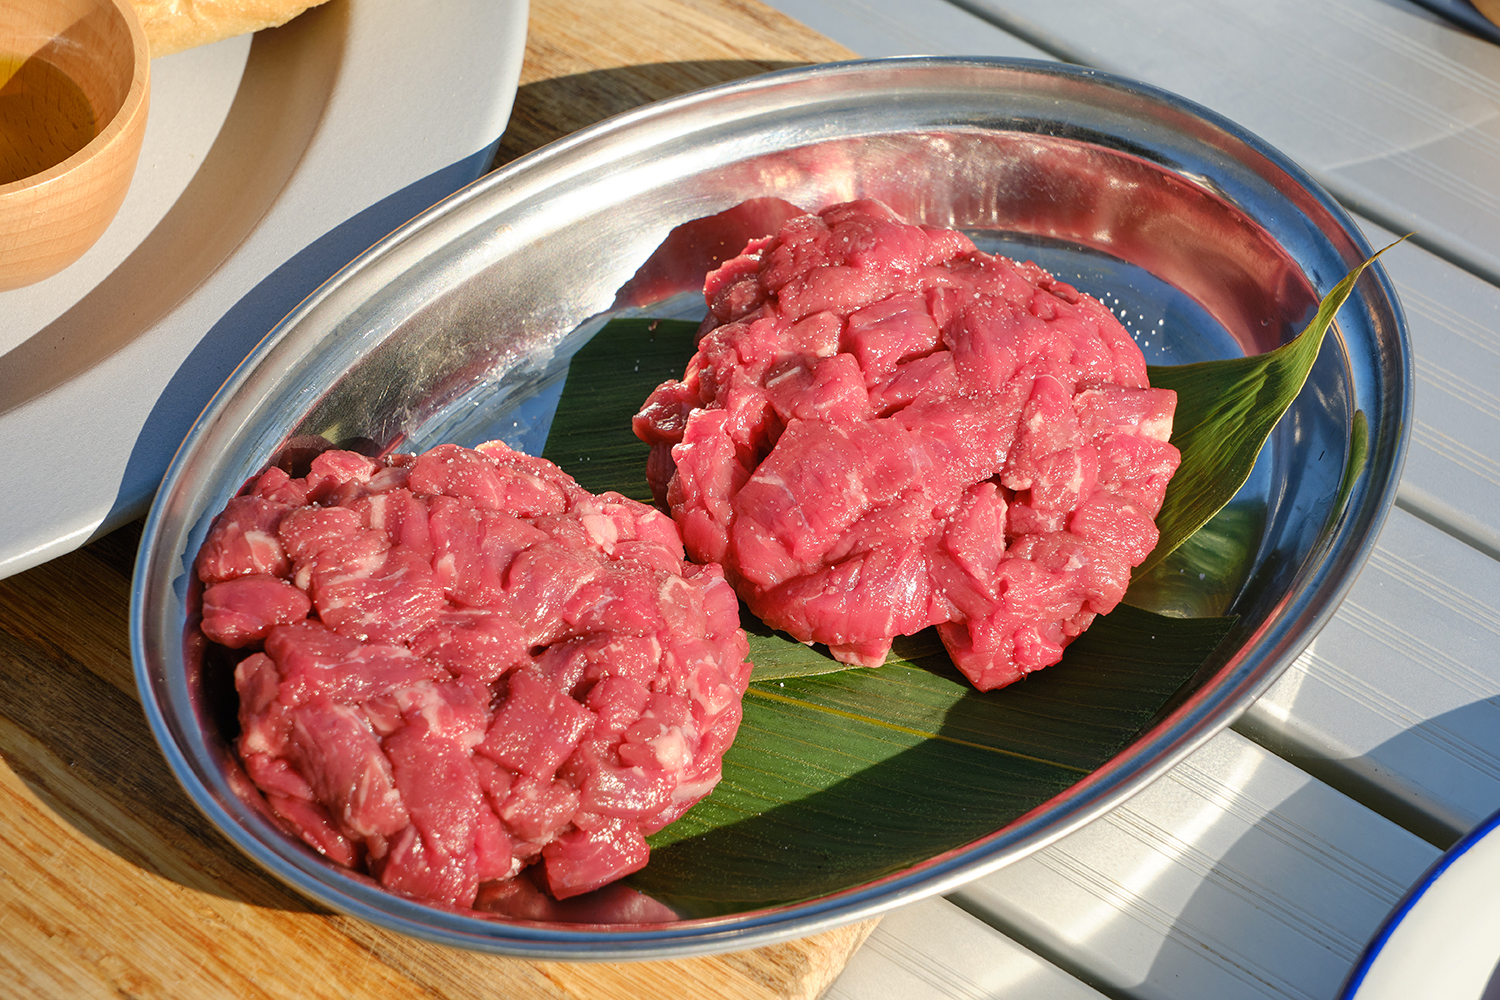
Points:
x=111, y=882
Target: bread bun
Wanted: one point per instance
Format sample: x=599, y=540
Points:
x=174, y=25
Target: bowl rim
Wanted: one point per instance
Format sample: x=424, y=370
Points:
x=1166, y=743
x=123, y=119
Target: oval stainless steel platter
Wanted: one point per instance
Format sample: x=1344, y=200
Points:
x=457, y=327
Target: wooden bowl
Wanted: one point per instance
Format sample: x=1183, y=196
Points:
x=75, y=80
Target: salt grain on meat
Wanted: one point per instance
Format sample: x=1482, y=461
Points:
x=885, y=429
x=462, y=663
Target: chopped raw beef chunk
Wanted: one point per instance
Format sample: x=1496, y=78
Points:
x=884, y=429
x=461, y=663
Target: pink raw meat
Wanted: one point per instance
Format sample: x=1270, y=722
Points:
x=461, y=663
x=884, y=428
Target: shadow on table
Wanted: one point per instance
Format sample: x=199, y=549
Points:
x=1324, y=938
x=76, y=735
x=1229, y=912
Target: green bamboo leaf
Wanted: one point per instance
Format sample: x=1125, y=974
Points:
x=841, y=778
x=778, y=656
x=608, y=381
x=1225, y=412
x=1359, y=454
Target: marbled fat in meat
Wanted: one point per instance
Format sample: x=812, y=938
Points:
x=885, y=429
x=462, y=663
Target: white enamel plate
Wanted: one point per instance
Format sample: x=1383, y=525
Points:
x=1442, y=942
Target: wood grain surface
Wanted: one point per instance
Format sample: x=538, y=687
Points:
x=589, y=60
x=112, y=884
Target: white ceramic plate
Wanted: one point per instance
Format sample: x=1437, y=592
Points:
x=268, y=165
x=1442, y=942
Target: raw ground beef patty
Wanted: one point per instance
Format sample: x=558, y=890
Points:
x=885, y=429
x=462, y=662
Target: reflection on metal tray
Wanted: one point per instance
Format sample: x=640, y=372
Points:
x=477, y=303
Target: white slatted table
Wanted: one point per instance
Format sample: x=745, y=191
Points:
x=1260, y=866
